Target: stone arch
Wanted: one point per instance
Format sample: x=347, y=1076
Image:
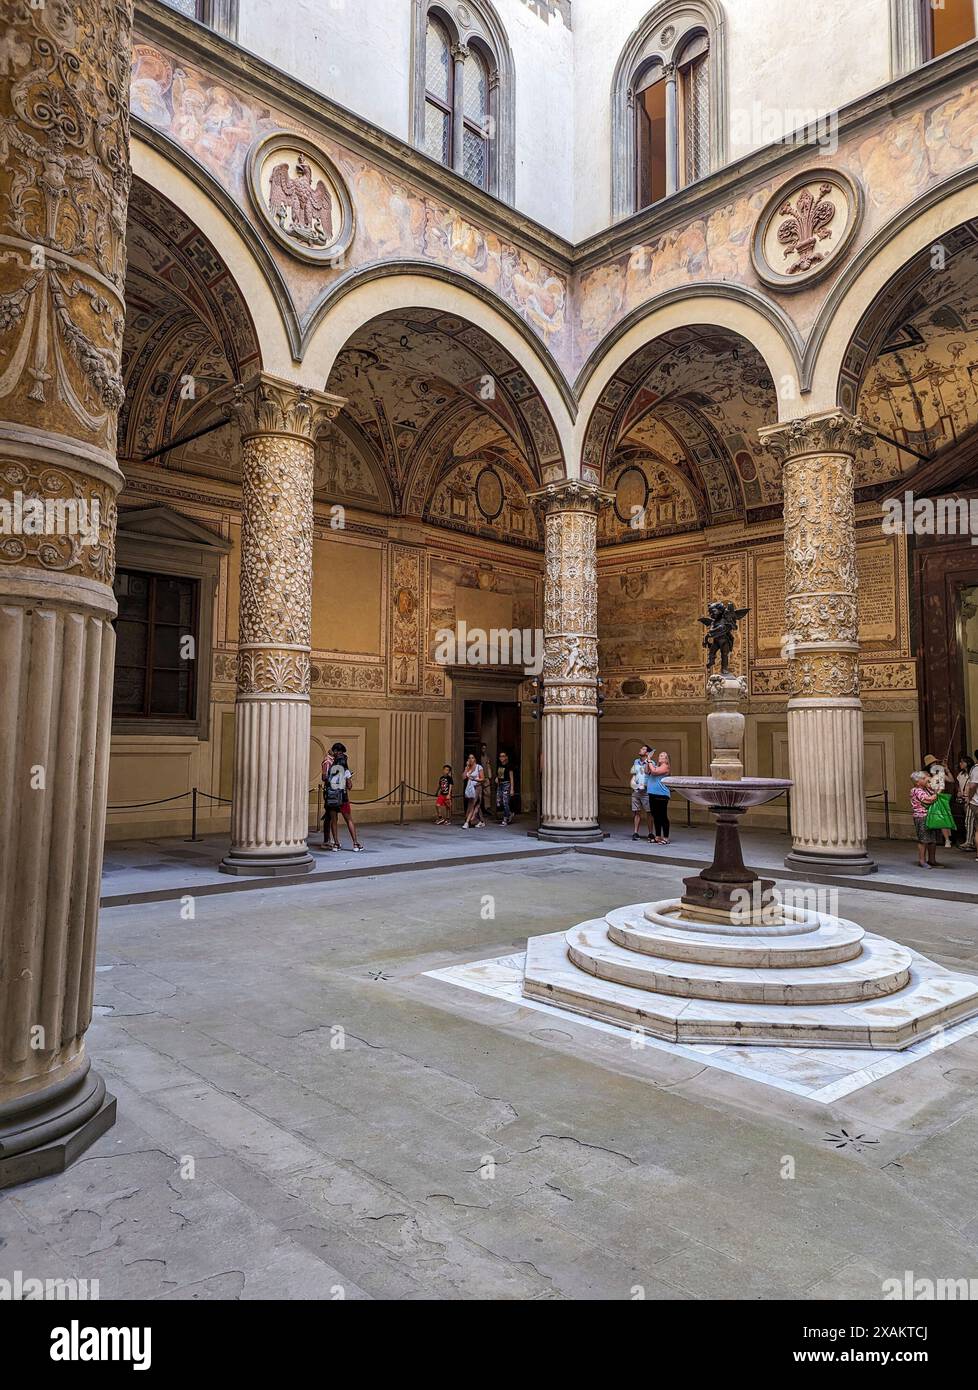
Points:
x=485, y=29
x=682, y=395
x=401, y=288
x=189, y=331
x=211, y=210
x=705, y=16
x=919, y=226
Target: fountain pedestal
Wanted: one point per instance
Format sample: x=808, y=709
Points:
x=727, y=887
x=734, y=960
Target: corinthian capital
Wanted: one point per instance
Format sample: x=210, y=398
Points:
x=268, y=405
x=571, y=495
x=836, y=432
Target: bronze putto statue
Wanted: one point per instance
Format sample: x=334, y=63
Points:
x=721, y=624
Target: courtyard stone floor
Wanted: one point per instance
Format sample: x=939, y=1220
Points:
x=305, y=1113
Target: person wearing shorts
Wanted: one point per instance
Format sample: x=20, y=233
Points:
x=639, y=789
x=443, y=801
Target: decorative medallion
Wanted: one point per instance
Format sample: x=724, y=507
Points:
x=631, y=495
x=805, y=228
x=489, y=494
x=298, y=192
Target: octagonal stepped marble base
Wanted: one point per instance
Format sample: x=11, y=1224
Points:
x=810, y=939
x=814, y=981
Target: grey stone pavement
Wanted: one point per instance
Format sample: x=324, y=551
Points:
x=137, y=871
x=303, y=1114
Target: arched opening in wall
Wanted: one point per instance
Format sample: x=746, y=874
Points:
x=911, y=372
x=455, y=437
x=674, y=436
x=188, y=337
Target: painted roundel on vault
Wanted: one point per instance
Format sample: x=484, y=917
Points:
x=300, y=196
x=489, y=493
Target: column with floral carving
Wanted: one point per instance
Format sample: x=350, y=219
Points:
x=278, y=422
x=821, y=643
x=64, y=190
x=570, y=663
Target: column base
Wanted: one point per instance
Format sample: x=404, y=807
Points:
x=570, y=835
x=46, y=1137
x=269, y=865
x=825, y=862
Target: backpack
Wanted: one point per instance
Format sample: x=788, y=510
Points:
x=336, y=787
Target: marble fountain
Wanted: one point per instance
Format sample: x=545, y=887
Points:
x=729, y=961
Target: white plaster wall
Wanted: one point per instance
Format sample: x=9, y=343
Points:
x=780, y=59
x=777, y=55
x=356, y=52
x=543, y=55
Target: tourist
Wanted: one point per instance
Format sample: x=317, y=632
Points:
x=505, y=788
x=962, y=813
x=338, y=781
x=921, y=800
x=443, y=801
x=939, y=815
x=659, y=797
x=639, y=784
x=474, y=775
x=485, y=762
x=971, y=810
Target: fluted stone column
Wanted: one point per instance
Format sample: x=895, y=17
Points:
x=64, y=189
x=569, y=730
x=270, y=803
x=825, y=715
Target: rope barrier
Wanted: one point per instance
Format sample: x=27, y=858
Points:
x=163, y=801
x=401, y=788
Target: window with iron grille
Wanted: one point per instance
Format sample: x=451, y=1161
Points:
x=694, y=110
x=154, y=679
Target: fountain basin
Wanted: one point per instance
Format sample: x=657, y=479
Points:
x=729, y=796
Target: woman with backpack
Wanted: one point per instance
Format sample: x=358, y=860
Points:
x=336, y=780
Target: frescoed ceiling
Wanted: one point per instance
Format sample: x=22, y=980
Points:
x=188, y=331
x=912, y=369
x=435, y=402
x=685, y=411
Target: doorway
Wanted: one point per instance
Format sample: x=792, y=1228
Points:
x=495, y=725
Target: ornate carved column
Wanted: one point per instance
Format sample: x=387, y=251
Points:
x=825, y=716
x=64, y=189
x=270, y=804
x=569, y=731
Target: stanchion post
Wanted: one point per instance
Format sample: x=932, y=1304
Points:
x=400, y=818
x=886, y=811
x=787, y=810
x=193, y=814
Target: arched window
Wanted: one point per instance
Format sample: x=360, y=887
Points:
x=476, y=119
x=463, y=94
x=668, y=103
x=439, y=108
x=650, y=135
x=921, y=30
x=221, y=15
x=694, y=109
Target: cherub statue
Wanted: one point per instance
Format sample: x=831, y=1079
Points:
x=720, y=628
